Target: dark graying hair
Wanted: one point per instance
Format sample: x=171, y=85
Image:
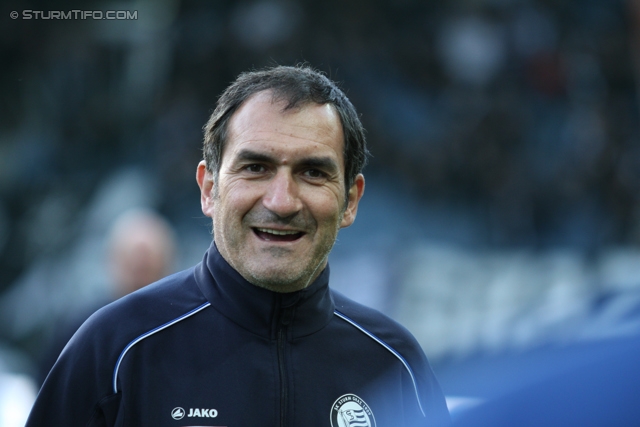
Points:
x=296, y=86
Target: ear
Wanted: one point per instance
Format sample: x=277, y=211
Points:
x=205, y=182
x=355, y=194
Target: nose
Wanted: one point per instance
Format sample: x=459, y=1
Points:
x=282, y=196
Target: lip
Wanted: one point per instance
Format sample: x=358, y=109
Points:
x=277, y=235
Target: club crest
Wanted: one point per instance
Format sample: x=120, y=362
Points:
x=351, y=411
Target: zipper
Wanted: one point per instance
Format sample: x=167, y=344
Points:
x=285, y=319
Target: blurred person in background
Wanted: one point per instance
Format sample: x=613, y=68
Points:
x=253, y=335
x=141, y=249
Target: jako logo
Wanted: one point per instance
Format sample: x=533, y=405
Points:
x=205, y=413
x=179, y=413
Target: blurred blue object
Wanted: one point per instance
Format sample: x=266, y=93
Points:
x=587, y=384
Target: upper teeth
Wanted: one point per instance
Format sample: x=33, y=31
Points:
x=279, y=232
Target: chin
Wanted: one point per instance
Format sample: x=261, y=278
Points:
x=278, y=280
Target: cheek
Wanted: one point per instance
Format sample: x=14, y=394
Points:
x=327, y=209
x=236, y=201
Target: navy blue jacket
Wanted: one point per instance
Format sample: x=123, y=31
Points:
x=205, y=347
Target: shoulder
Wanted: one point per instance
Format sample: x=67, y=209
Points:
x=170, y=294
x=116, y=324
x=101, y=340
x=376, y=324
x=395, y=338
x=84, y=377
x=385, y=332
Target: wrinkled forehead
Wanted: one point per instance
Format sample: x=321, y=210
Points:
x=264, y=116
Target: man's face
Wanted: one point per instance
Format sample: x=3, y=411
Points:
x=279, y=199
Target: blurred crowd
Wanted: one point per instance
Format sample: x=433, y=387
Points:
x=503, y=196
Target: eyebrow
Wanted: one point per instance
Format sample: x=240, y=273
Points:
x=254, y=156
x=325, y=163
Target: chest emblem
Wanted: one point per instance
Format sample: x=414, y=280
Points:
x=177, y=413
x=351, y=411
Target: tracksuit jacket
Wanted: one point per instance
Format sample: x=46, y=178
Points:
x=204, y=347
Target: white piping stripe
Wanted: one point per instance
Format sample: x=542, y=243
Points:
x=148, y=334
x=385, y=345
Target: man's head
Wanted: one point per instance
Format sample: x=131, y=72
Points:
x=296, y=87
x=276, y=175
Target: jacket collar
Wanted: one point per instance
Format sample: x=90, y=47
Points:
x=260, y=310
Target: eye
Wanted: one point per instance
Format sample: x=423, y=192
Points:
x=255, y=168
x=315, y=173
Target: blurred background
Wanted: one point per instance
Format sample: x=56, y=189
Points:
x=502, y=208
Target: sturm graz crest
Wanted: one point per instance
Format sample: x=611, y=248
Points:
x=351, y=411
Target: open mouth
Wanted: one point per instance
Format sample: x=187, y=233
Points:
x=271, y=235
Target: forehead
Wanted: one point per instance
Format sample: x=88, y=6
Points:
x=261, y=122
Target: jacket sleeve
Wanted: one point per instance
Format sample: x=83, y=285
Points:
x=77, y=391
x=432, y=399
x=432, y=407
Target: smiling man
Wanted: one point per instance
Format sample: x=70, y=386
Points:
x=253, y=335
x=277, y=198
